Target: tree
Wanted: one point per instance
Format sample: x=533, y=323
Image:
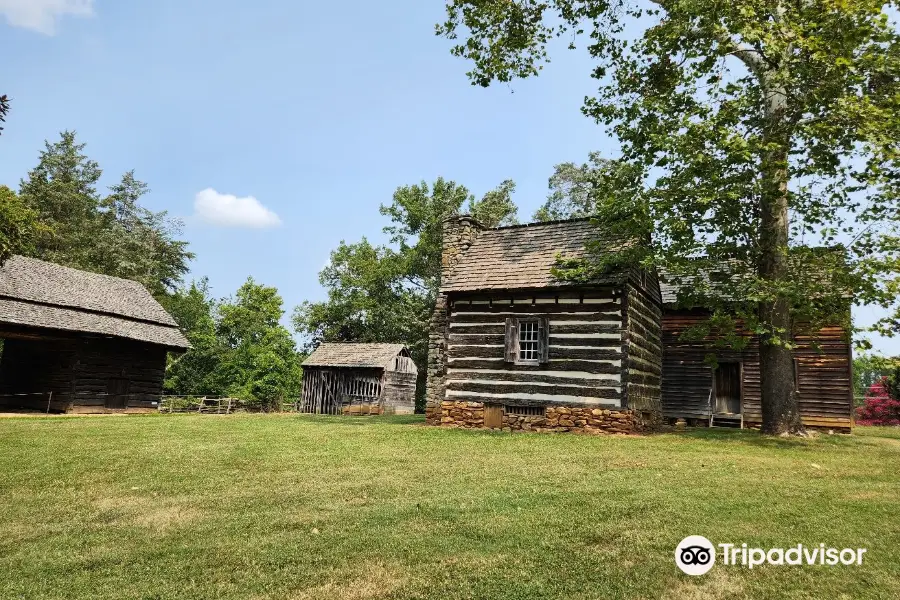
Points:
x=19, y=226
x=261, y=361
x=62, y=189
x=761, y=129
x=238, y=345
x=140, y=244
x=4, y=109
x=576, y=190
x=387, y=294
x=868, y=369
x=114, y=234
x=197, y=371
x=417, y=213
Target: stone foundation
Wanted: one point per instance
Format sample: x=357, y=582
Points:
x=576, y=419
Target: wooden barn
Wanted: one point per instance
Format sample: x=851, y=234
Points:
x=75, y=341
x=359, y=378
x=513, y=347
x=730, y=394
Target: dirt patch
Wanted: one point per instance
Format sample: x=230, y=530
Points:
x=370, y=581
x=150, y=513
x=713, y=586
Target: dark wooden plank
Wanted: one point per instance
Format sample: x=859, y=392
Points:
x=526, y=388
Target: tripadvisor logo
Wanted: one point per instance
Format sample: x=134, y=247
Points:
x=696, y=555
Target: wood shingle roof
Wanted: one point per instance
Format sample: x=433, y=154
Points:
x=35, y=293
x=519, y=256
x=351, y=354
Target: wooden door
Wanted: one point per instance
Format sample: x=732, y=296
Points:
x=117, y=393
x=493, y=416
x=728, y=388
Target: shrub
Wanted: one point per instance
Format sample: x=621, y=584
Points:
x=880, y=407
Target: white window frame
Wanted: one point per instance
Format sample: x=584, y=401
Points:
x=536, y=340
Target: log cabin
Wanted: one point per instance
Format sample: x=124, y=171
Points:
x=511, y=346
x=345, y=378
x=706, y=385
x=80, y=342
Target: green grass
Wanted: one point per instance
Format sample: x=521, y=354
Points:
x=255, y=506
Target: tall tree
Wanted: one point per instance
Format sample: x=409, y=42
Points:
x=62, y=189
x=114, y=234
x=762, y=127
x=576, y=190
x=138, y=243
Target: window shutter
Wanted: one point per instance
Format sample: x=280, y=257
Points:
x=544, y=339
x=510, y=340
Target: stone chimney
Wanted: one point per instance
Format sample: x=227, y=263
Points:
x=459, y=232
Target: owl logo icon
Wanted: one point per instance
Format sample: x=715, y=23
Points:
x=695, y=555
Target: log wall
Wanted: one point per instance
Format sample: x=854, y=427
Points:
x=642, y=344
x=823, y=374
x=84, y=374
x=585, y=358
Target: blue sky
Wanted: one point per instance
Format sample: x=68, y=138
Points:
x=317, y=110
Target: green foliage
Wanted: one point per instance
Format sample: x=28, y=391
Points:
x=4, y=109
x=238, y=346
x=18, y=225
x=386, y=294
x=576, y=190
x=753, y=126
x=197, y=371
x=110, y=234
x=868, y=369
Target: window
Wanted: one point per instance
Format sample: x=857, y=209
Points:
x=527, y=341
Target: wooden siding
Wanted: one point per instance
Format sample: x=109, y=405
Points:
x=84, y=374
x=822, y=363
x=398, y=397
x=336, y=390
x=585, y=354
x=643, y=345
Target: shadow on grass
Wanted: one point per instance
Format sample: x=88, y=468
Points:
x=751, y=437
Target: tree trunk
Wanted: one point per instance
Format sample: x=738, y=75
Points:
x=780, y=408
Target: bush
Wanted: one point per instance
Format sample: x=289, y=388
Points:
x=880, y=407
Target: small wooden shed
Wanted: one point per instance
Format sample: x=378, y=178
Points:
x=75, y=341
x=359, y=378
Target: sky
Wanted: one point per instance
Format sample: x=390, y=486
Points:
x=275, y=129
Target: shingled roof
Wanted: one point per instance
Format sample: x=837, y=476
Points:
x=519, y=256
x=35, y=293
x=351, y=354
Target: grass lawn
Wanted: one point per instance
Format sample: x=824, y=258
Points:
x=255, y=506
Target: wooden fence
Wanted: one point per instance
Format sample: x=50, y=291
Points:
x=216, y=405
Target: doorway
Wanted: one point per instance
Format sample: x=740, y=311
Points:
x=728, y=389
x=117, y=393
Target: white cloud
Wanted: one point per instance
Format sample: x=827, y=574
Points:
x=226, y=210
x=41, y=15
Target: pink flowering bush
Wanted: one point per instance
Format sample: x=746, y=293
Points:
x=880, y=408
